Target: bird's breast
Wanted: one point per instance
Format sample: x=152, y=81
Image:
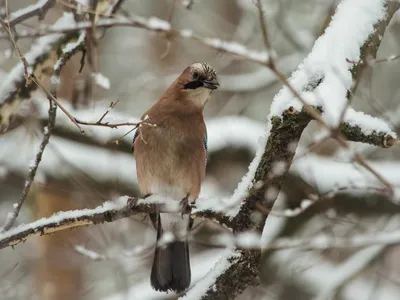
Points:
x=170, y=160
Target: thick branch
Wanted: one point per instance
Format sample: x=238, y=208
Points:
x=284, y=131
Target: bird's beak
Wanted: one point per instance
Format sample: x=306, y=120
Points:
x=211, y=84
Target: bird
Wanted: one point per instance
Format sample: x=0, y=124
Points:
x=170, y=149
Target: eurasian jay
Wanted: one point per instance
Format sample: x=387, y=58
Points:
x=171, y=156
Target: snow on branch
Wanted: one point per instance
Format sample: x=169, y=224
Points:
x=45, y=51
x=110, y=211
x=360, y=127
x=38, y=9
x=325, y=76
x=295, y=106
x=160, y=26
x=16, y=88
x=242, y=267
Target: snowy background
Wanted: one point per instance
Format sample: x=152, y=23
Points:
x=325, y=194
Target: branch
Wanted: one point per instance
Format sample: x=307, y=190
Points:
x=290, y=114
x=32, y=170
x=108, y=212
x=349, y=269
x=45, y=51
x=312, y=272
x=16, y=88
x=39, y=9
x=157, y=25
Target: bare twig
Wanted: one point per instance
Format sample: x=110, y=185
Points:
x=264, y=30
x=112, y=105
x=51, y=96
x=111, y=125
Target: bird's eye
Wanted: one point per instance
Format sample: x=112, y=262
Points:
x=195, y=75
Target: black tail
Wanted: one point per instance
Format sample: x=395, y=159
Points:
x=171, y=265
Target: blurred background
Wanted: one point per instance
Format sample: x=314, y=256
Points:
x=112, y=261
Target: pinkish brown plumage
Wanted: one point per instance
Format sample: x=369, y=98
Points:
x=171, y=160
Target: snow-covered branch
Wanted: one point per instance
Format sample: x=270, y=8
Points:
x=39, y=9
x=160, y=26
x=311, y=86
x=110, y=211
x=52, y=49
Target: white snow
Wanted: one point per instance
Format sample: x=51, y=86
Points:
x=158, y=24
x=250, y=240
x=89, y=253
x=101, y=80
x=228, y=257
x=328, y=59
x=200, y=265
x=236, y=48
x=83, y=2
x=343, y=174
x=313, y=273
x=64, y=158
x=71, y=46
x=186, y=33
x=241, y=191
x=60, y=216
x=40, y=46
x=367, y=123
x=16, y=14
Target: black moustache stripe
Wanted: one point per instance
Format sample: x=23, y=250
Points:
x=193, y=85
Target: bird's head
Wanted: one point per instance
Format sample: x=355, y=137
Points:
x=198, y=81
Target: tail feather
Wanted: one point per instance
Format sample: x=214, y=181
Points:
x=171, y=265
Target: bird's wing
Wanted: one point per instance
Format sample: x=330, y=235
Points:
x=206, y=146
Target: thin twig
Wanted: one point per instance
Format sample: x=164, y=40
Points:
x=264, y=31
x=32, y=170
x=51, y=96
x=112, y=105
x=30, y=75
